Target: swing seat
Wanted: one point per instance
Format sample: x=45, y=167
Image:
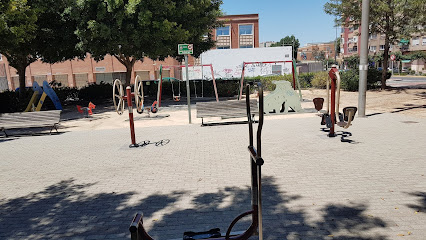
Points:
x=176, y=98
x=212, y=233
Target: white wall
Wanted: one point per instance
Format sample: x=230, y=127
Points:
x=227, y=63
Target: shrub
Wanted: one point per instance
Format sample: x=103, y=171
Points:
x=305, y=80
x=319, y=80
x=95, y=92
x=350, y=79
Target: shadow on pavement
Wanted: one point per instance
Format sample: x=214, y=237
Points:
x=421, y=206
x=64, y=210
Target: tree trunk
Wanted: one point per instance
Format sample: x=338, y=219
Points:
x=386, y=52
x=128, y=62
x=21, y=73
x=385, y=63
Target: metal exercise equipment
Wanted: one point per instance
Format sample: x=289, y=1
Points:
x=137, y=229
x=139, y=98
x=333, y=103
x=119, y=98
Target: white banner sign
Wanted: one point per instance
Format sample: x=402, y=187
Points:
x=228, y=63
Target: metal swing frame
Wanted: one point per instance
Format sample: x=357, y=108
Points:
x=138, y=231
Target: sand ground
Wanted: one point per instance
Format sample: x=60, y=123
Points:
x=403, y=101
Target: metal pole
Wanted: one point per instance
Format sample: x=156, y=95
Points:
x=132, y=125
x=188, y=93
x=363, y=65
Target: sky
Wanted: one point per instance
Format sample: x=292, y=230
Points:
x=305, y=19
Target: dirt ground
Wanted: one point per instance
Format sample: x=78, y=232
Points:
x=401, y=101
x=405, y=101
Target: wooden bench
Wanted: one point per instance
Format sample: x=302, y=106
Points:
x=29, y=120
x=224, y=110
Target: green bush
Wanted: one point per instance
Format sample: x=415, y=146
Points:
x=95, y=92
x=319, y=80
x=350, y=79
x=305, y=80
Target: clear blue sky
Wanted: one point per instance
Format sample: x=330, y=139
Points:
x=305, y=19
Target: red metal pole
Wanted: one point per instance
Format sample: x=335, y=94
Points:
x=132, y=125
x=214, y=83
x=242, y=81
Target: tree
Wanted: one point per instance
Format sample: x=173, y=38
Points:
x=38, y=29
x=130, y=30
x=392, y=18
x=289, y=41
x=337, y=47
x=318, y=55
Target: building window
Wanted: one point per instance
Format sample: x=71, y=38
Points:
x=81, y=79
x=423, y=41
x=246, y=36
x=223, y=47
x=382, y=47
x=355, y=39
x=355, y=49
x=416, y=41
x=373, y=36
x=373, y=48
x=61, y=80
x=246, y=29
x=222, y=31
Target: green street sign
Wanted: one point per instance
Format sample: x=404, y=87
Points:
x=185, y=49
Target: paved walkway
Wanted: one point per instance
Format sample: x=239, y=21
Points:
x=89, y=184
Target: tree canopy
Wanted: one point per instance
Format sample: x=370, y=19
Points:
x=37, y=29
x=133, y=29
x=394, y=19
x=289, y=41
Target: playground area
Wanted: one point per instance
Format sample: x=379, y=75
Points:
x=408, y=102
x=86, y=183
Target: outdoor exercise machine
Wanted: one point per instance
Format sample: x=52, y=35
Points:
x=329, y=118
x=137, y=229
x=119, y=98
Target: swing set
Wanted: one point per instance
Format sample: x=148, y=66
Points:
x=177, y=97
x=138, y=231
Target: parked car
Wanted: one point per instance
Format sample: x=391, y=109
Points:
x=395, y=70
x=405, y=70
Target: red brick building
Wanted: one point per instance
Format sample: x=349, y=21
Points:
x=239, y=31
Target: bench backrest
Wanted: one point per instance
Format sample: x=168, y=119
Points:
x=29, y=119
x=225, y=109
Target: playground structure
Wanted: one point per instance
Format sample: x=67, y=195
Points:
x=138, y=231
x=293, y=69
x=86, y=111
x=333, y=103
x=176, y=98
x=182, y=66
x=39, y=96
x=282, y=97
